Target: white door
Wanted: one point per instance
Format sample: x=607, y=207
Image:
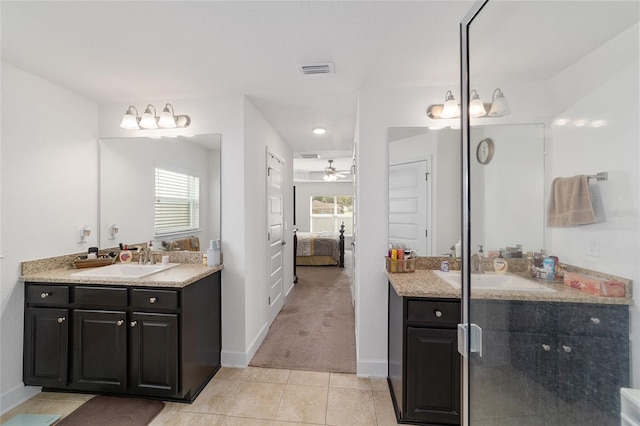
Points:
x=408, y=206
x=275, y=237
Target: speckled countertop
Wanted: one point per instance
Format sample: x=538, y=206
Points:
x=424, y=283
x=60, y=270
x=178, y=277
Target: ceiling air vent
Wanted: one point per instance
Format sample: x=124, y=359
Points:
x=316, y=68
x=309, y=156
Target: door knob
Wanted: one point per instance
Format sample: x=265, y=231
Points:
x=567, y=349
x=44, y=295
x=133, y=323
x=119, y=322
x=61, y=320
x=438, y=313
x=596, y=321
x=547, y=348
x=152, y=300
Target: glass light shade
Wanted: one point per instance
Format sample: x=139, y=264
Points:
x=329, y=178
x=476, y=106
x=450, y=108
x=499, y=106
x=148, y=119
x=130, y=122
x=167, y=120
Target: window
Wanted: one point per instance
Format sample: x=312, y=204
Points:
x=177, y=206
x=328, y=213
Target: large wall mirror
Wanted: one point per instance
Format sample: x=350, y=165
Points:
x=424, y=188
x=132, y=169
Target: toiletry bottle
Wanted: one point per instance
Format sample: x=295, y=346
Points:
x=500, y=264
x=549, y=266
x=458, y=247
x=213, y=253
x=125, y=255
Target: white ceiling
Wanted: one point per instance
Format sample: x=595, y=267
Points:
x=120, y=51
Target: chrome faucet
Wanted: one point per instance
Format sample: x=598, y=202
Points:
x=145, y=256
x=476, y=262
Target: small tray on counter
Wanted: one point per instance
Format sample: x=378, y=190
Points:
x=80, y=263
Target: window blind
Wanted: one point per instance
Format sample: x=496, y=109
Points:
x=177, y=206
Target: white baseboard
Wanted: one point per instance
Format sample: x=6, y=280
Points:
x=16, y=396
x=242, y=359
x=372, y=368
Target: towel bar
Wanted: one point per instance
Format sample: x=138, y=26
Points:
x=599, y=176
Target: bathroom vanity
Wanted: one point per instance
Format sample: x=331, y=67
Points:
x=553, y=353
x=157, y=336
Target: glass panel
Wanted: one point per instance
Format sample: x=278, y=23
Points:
x=565, y=146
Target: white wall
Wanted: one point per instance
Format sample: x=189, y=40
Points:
x=50, y=180
x=259, y=135
x=304, y=192
x=603, y=86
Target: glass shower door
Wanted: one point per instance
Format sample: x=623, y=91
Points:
x=550, y=97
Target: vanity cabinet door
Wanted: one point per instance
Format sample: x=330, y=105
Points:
x=154, y=354
x=433, y=375
x=100, y=350
x=46, y=337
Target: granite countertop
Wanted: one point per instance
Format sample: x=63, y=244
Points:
x=424, y=283
x=177, y=277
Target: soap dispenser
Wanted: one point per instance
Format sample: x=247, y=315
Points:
x=500, y=264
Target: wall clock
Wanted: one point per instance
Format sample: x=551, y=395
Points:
x=484, y=152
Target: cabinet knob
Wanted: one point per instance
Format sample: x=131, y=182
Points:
x=44, y=295
x=61, y=320
x=152, y=300
x=119, y=322
x=133, y=323
x=438, y=313
x=595, y=320
x=547, y=348
x=567, y=349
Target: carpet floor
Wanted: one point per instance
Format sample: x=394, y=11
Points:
x=315, y=330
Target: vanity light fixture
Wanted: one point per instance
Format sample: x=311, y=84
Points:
x=499, y=105
x=150, y=121
x=450, y=109
x=477, y=108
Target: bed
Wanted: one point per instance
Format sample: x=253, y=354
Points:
x=318, y=249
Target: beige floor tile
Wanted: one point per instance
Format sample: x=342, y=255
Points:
x=244, y=421
x=216, y=398
x=308, y=378
x=179, y=418
x=257, y=400
x=306, y=404
x=62, y=396
x=350, y=381
x=379, y=385
x=384, y=408
x=232, y=373
x=269, y=375
x=350, y=407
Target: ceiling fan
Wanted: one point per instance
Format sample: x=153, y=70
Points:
x=331, y=174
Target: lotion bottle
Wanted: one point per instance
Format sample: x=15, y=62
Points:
x=125, y=255
x=500, y=264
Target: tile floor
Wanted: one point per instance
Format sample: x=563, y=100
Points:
x=259, y=396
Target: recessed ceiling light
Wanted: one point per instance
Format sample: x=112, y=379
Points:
x=319, y=131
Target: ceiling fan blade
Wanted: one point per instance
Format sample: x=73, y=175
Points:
x=340, y=175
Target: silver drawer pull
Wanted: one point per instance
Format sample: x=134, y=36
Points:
x=152, y=300
x=61, y=320
x=119, y=323
x=438, y=313
x=44, y=295
x=547, y=348
x=596, y=321
x=567, y=349
x=133, y=323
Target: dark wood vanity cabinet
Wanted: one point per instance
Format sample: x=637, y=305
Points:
x=143, y=341
x=424, y=363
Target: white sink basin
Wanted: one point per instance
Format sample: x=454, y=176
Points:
x=494, y=282
x=125, y=270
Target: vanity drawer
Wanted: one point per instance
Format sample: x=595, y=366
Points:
x=433, y=312
x=101, y=296
x=154, y=299
x=597, y=320
x=47, y=294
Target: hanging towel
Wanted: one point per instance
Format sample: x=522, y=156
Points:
x=570, y=202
